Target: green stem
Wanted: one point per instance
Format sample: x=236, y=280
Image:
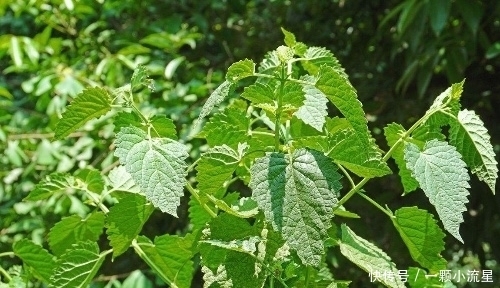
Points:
x=9, y=254
x=98, y=202
x=346, y=175
x=376, y=204
x=278, y=110
x=5, y=274
x=197, y=197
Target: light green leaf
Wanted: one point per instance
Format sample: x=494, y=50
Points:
x=172, y=66
x=393, y=133
x=341, y=93
x=156, y=164
x=73, y=229
x=140, y=78
x=368, y=256
x=448, y=101
x=198, y=216
x=239, y=70
x=290, y=40
x=163, y=127
x=419, y=278
x=121, y=180
x=169, y=256
x=40, y=261
x=78, y=266
x=314, y=110
x=91, y=103
x=297, y=194
x=319, y=56
x=422, y=236
x=441, y=172
x=259, y=93
x=215, y=99
x=53, y=183
x=216, y=166
x=471, y=139
x=125, y=221
x=269, y=63
x=92, y=178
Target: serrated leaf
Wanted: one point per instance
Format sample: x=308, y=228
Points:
x=121, y=180
x=239, y=70
x=34, y=256
x=422, y=236
x=140, y=79
x=314, y=110
x=125, y=221
x=163, y=127
x=215, y=99
x=471, y=139
x=53, y=183
x=318, y=56
x=73, y=229
x=289, y=38
x=340, y=92
x=92, y=178
x=448, y=101
x=156, y=164
x=441, y=172
x=259, y=93
x=297, y=193
x=78, y=266
x=216, y=166
x=90, y=103
x=368, y=256
x=125, y=119
x=270, y=62
x=170, y=257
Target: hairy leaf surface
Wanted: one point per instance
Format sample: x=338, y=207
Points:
x=53, y=183
x=422, y=236
x=441, y=172
x=368, y=256
x=157, y=165
x=125, y=221
x=73, y=229
x=239, y=70
x=214, y=100
x=170, y=257
x=314, y=110
x=91, y=103
x=297, y=193
x=34, y=256
x=121, y=180
x=472, y=140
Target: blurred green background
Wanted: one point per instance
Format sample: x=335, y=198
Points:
x=399, y=55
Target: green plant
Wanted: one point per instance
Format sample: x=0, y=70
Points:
x=265, y=191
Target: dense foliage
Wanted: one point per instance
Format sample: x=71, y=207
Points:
x=291, y=127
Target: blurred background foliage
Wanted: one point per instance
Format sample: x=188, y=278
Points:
x=399, y=54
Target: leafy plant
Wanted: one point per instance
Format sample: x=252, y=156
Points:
x=265, y=192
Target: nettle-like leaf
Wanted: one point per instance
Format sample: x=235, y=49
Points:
x=269, y=64
x=90, y=103
x=471, y=139
x=40, y=262
x=448, y=101
x=297, y=193
x=239, y=70
x=92, y=180
x=73, y=229
x=214, y=100
x=121, y=180
x=125, y=221
x=53, y=183
x=170, y=257
x=318, y=56
x=78, y=266
x=156, y=164
x=314, y=110
x=140, y=79
x=216, y=166
x=422, y=236
x=368, y=256
x=441, y=173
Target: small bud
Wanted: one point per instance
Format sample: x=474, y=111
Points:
x=284, y=53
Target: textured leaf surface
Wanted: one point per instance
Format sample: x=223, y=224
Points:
x=422, y=236
x=441, y=173
x=92, y=179
x=91, y=103
x=34, y=256
x=240, y=70
x=215, y=99
x=341, y=93
x=170, y=257
x=368, y=256
x=73, y=229
x=157, y=165
x=297, y=193
x=471, y=139
x=78, y=266
x=259, y=93
x=140, y=78
x=125, y=221
x=216, y=166
x=318, y=56
x=163, y=127
x=314, y=110
x=121, y=180
x=53, y=183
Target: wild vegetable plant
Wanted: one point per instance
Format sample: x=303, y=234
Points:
x=267, y=196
